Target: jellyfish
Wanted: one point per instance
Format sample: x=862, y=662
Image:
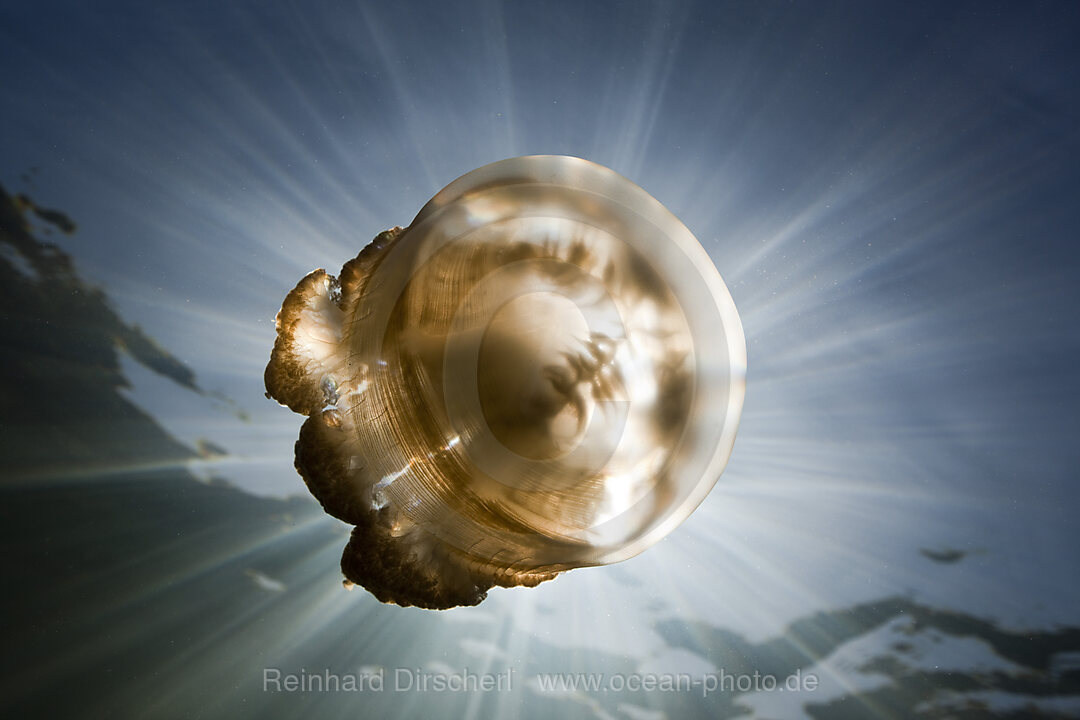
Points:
x=543, y=371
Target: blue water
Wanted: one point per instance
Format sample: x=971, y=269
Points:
x=889, y=192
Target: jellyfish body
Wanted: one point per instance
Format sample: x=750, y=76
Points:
x=544, y=371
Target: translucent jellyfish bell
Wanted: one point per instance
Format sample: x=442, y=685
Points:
x=544, y=371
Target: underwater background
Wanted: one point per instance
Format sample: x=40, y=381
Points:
x=888, y=190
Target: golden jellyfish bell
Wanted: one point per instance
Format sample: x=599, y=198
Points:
x=544, y=371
